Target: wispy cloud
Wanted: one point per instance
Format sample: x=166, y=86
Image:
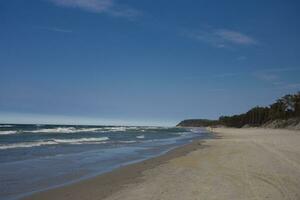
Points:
x=277, y=78
x=222, y=38
x=216, y=90
x=267, y=77
x=99, y=6
x=55, y=29
x=292, y=86
x=89, y=5
x=235, y=37
x=224, y=75
x=287, y=86
x=289, y=69
x=273, y=74
x=240, y=58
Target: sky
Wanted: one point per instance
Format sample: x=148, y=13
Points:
x=138, y=62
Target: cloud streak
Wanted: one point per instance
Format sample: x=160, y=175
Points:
x=55, y=29
x=222, y=38
x=267, y=77
x=273, y=74
x=224, y=75
x=292, y=86
x=217, y=90
x=109, y=7
x=235, y=37
x=281, y=69
x=275, y=77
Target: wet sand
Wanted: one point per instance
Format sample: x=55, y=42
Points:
x=238, y=164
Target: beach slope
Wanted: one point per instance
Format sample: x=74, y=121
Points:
x=238, y=164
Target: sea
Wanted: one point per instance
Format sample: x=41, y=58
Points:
x=36, y=157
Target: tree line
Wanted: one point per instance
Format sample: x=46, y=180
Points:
x=285, y=107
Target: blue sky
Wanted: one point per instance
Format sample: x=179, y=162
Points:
x=144, y=62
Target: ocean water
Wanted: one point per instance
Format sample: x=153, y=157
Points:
x=38, y=157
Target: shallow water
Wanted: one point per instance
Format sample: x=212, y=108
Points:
x=38, y=157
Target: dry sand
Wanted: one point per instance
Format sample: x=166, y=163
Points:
x=240, y=164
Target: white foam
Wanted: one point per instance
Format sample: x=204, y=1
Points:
x=128, y=141
x=81, y=140
x=54, y=130
x=53, y=142
x=115, y=129
x=154, y=127
x=133, y=128
x=77, y=130
x=140, y=136
x=88, y=130
x=26, y=144
x=120, y=128
x=182, y=133
x=5, y=126
x=7, y=132
x=65, y=130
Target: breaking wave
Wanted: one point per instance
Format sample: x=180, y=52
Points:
x=53, y=142
x=26, y=144
x=7, y=132
x=81, y=140
x=65, y=130
x=140, y=136
x=78, y=130
x=5, y=126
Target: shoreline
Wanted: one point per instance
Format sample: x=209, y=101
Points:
x=248, y=163
x=105, y=184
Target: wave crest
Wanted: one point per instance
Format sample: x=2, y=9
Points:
x=65, y=130
x=81, y=140
x=54, y=142
x=26, y=144
x=5, y=126
x=7, y=132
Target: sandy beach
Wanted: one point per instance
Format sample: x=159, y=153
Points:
x=237, y=164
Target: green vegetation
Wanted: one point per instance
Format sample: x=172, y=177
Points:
x=284, y=108
x=198, y=123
